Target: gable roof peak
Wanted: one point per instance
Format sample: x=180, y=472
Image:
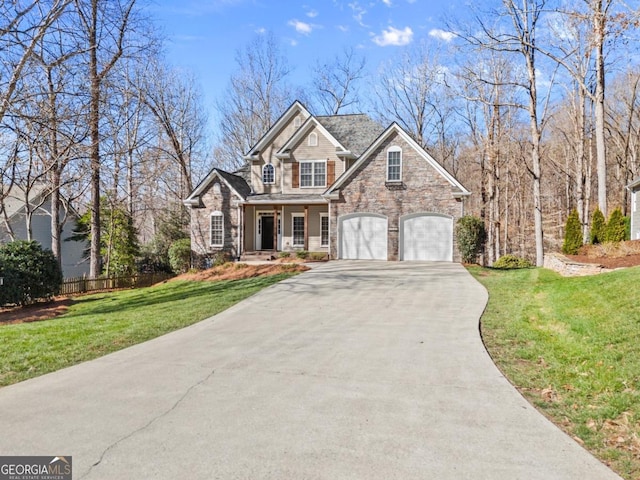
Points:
x=295, y=108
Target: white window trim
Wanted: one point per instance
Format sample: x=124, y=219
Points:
x=264, y=167
x=312, y=140
x=313, y=174
x=293, y=236
x=634, y=201
x=221, y=215
x=297, y=122
x=322, y=216
x=389, y=150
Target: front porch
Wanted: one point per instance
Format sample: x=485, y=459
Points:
x=271, y=228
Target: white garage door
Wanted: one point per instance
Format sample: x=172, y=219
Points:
x=427, y=237
x=363, y=237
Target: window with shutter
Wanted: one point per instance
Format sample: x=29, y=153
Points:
x=331, y=172
x=295, y=175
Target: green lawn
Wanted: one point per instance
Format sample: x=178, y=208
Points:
x=572, y=347
x=99, y=324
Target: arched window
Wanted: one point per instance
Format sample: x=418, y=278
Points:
x=394, y=164
x=313, y=139
x=268, y=174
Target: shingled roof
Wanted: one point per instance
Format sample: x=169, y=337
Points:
x=356, y=132
x=238, y=183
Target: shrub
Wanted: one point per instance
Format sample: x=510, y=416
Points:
x=303, y=254
x=572, y=234
x=616, y=228
x=471, y=236
x=221, y=258
x=284, y=254
x=317, y=256
x=30, y=273
x=510, y=262
x=180, y=255
x=627, y=228
x=598, y=227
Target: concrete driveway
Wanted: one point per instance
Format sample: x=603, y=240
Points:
x=359, y=370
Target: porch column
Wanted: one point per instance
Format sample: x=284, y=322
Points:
x=306, y=227
x=275, y=228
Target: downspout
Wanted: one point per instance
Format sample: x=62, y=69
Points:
x=240, y=231
x=329, y=220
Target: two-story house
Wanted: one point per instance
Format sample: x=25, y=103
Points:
x=340, y=184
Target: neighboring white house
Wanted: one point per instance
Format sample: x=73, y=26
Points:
x=634, y=188
x=14, y=212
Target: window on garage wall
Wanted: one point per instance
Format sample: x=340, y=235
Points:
x=217, y=229
x=394, y=164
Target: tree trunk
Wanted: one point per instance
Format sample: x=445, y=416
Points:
x=599, y=29
x=94, y=128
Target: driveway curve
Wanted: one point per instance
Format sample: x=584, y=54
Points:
x=353, y=370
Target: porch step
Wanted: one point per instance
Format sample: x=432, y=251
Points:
x=263, y=255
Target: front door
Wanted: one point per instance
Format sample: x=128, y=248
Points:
x=267, y=232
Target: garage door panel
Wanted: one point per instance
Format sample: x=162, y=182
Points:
x=364, y=237
x=427, y=238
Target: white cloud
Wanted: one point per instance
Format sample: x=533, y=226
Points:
x=441, y=34
x=387, y=3
x=394, y=37
x=261, y=30
x=358, y=13
x=301, y=27
x=342, y=28
x=312, y=14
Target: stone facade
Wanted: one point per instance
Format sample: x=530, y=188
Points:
x=568, y=268
x=218, y=197
x=422, y=190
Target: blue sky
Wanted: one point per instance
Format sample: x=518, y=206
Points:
x=204, y=35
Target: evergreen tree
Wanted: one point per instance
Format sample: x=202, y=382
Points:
x=572, y=234
x=598, y=227
x=616, y=228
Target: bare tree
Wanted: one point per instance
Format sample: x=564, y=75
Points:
x=587, y=29
x=257, y=94
x=515, y=33
x=22, y=26
x=335, y=83
x=104, y=26
x=176, y=105
x=411, y=91
x=487, y=86
x=623, y=125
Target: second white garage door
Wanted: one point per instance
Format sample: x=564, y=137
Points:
x=363, y=237
x=427, y=237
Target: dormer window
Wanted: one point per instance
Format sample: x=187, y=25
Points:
x=268, y=174
x=394, y=164
x=313, y=139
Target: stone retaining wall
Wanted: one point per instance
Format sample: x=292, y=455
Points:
x=569, y=268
